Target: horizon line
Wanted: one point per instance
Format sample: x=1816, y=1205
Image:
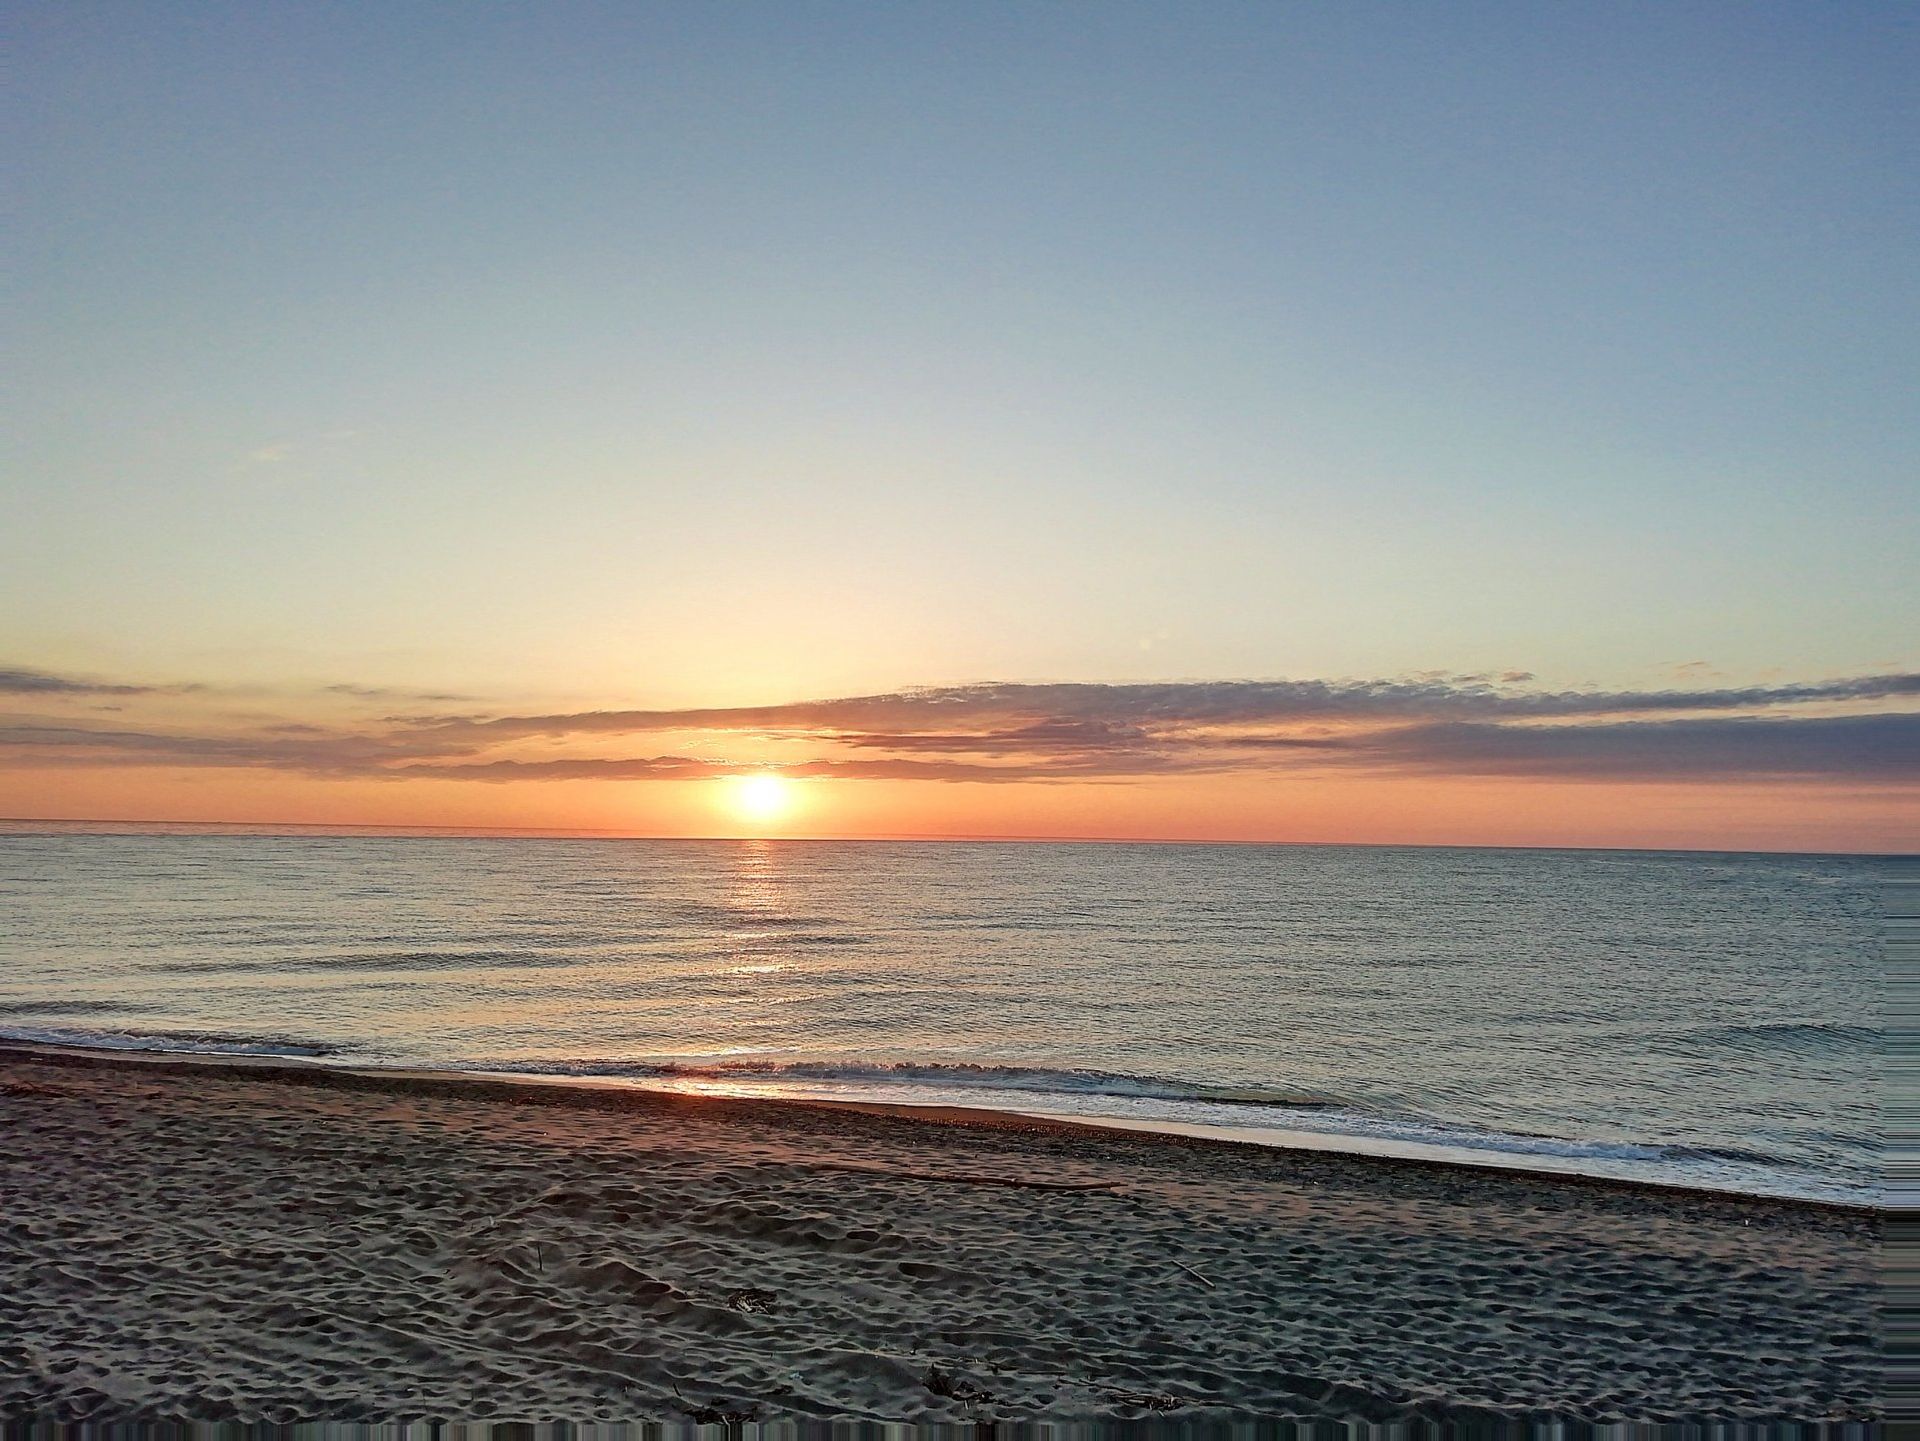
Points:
x=917, y=838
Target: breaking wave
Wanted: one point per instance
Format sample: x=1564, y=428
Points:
x=193, y=1043
x=944, y=1075
x=1272, y=1116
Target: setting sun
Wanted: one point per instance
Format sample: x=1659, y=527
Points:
x=760, y=798
x=775, y=638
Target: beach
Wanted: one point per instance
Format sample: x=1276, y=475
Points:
x=1015, y=721
x=209, y=1239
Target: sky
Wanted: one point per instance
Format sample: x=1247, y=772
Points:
x=1481, y=423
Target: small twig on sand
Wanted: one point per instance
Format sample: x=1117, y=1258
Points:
x=1145, y=1400
x=1195, y=1274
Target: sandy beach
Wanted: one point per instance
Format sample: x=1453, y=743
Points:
x=258, y=1243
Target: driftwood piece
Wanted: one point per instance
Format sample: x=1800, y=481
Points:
x=1195, y=1274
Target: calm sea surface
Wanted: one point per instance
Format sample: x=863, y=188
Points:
x=1710, y=1019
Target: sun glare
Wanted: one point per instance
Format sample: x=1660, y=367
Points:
x=761, y=798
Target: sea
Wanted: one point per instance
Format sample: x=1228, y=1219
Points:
x=1690, y=1019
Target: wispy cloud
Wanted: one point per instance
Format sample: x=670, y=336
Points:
x=395, y=693
x=23, y=680
x=32, y=681
x=987, y=706
x=277, y=746
x=689, y=768
x=277, y=453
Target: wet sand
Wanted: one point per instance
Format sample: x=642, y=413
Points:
x=196, y=1240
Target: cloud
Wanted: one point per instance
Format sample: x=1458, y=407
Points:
x=391, y=693
x=686, y=768
x=23, y=680
x=989, y=706
x=276, y=746
x=31, y=681
x=1047, y=735
x=1884, y=747
x=646, y=768
x=280, y=451
x=996, y=733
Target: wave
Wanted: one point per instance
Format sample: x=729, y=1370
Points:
x=1282, y=1117
x=354, y=961
x=945, y=1075
x=1137, y=1099
x=1795, y=1036
x=72, y=1008
x=195, y=1043
x=1287, y=1117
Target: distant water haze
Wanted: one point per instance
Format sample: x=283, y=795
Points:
x=1694, y=1018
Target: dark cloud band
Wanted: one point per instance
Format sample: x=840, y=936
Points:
x=993, y=733
x=989, y=707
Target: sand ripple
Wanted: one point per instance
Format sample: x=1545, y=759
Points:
x=214, y=1245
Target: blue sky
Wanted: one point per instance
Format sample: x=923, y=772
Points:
x=709, y=355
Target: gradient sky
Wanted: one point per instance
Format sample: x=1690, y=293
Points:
x=560, y=360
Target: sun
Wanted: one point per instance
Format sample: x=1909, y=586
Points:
x=761, y=798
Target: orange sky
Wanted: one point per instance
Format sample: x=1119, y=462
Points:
x=1465, y=760
x=1458, y=812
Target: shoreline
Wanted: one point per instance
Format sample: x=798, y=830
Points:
x=209, y=1240
x=608, y=1092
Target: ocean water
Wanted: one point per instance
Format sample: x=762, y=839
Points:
x=1689, y=1018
